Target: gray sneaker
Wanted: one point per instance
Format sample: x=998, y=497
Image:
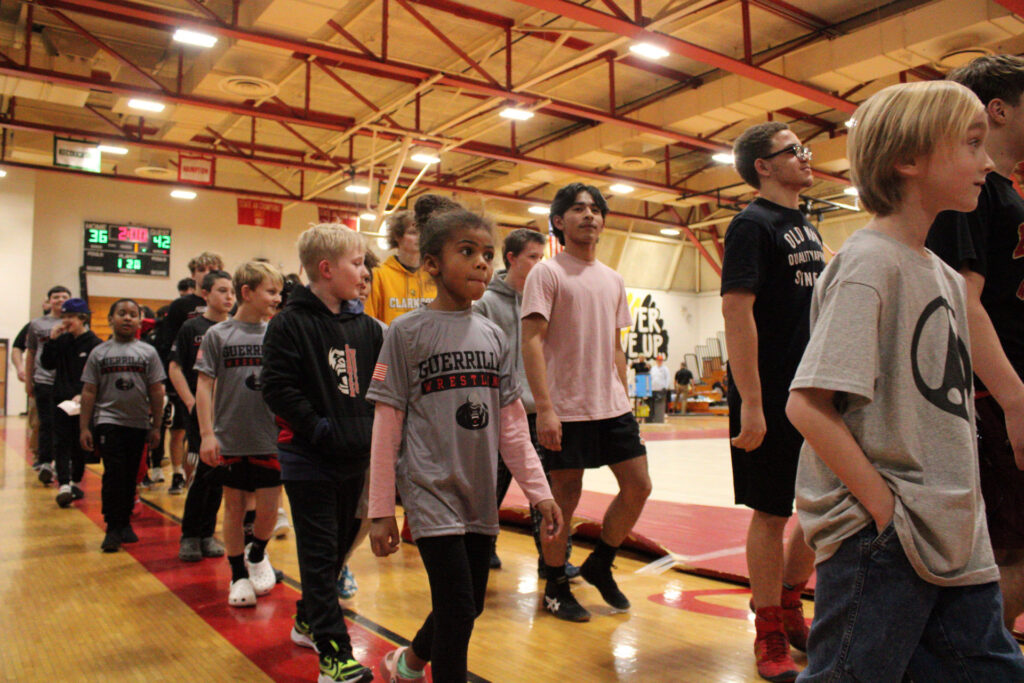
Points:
x=189, y=551
x=211, y=547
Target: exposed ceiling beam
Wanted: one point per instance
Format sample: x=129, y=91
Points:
x=621, y=27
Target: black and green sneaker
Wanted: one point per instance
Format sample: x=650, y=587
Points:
x=339, y=667
x=302, y=634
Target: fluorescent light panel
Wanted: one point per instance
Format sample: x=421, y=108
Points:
x=110, y=149
x=368, y=216
x=648, y=51
x=425, y=158
x=183, y=194
x=669, y=232
x=516, y=114
x=3, y=173
x=146, y=105
x=355, y=188
x=539, y=210
x=183, y=35
x=852, y=191
x=723, y=158
x=621, y=188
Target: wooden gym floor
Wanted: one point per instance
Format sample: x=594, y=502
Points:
x=72, y=613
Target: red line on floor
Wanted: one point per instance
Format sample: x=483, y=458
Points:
x=260, y=633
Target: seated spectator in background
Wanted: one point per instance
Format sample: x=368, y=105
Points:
x=186, y=286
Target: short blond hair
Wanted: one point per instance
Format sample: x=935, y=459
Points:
x=208, y=260
x=253, y=273
x=327, y=242
x=897, y=125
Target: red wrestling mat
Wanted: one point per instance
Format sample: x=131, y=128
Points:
x=260, y=633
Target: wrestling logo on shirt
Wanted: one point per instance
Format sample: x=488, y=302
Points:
x=343, y=362
x=459, y=370
x=472, y=414
x=123, y=383
x=253, y=382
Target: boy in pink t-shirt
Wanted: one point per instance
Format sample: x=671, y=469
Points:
x=573, y=309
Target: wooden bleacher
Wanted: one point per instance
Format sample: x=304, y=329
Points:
x=100, y=306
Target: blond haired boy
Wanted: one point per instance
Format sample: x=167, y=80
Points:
x=238, y=433
x=887, y=486
x=318, y=358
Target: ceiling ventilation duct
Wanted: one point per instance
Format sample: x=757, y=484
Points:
x=249, y=87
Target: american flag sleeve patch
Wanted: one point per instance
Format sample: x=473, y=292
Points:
x=380, y=371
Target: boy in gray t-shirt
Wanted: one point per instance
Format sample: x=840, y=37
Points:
x=887, y=486
x=239, y=435
x=122, y=388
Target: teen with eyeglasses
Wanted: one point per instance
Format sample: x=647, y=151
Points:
x=773, y=256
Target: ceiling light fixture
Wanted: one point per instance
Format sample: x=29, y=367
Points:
x=110, y=149
x=516, y=114
x=183, y=194
x=724, y=158
x=621, y=188
x=648, y=51
x=183, y=35
x=3, y=173
x=669, y=232
x=852, y=191
x=368, y=216
x=539, y=210
x=355, y=188
x=146, y=105
x=425, y=158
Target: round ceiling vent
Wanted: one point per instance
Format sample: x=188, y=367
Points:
x=249, y=87
x=957, y=58
x=155, y=172
x=633, y=164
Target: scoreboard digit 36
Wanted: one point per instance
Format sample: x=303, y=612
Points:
x=127, y=249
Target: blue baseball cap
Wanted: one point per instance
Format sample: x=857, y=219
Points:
x=76, y=306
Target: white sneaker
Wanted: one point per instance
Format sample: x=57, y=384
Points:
x=242, y=594
x=156, y=475
x=283, y=526
x=64, y=496
x=261, y=574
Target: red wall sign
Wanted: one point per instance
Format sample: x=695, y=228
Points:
x=197, y=169
x=260, y=213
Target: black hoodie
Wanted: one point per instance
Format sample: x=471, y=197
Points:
x=66, y=355
x=316, y=370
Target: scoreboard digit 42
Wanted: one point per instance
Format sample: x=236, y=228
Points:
x=127, y=249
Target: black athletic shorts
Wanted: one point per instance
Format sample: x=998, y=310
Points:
x=596, y=443
x=180, y=418
x=1002, y=484
x=764, y=479
x=245, y=474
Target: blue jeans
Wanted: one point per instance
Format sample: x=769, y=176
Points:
x=876, y=620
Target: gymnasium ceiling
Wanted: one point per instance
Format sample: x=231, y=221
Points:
x=299, y=99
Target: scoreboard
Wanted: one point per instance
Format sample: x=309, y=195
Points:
x=127, y=249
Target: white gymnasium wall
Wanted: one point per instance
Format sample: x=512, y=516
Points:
x=20, y=302
x=689, y=318
x=63, y=202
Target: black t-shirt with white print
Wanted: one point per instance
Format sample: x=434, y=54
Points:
x=990, y=241
x=774, y=252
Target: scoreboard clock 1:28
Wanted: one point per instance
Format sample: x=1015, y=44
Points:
x=127, y=249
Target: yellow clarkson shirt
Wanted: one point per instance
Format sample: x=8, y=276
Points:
x=396, y=291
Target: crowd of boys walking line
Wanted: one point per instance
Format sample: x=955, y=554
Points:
x=851, y=391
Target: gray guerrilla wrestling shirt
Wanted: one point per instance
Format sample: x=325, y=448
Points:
x=123, y=373
x=451, y=373
x=232, y=353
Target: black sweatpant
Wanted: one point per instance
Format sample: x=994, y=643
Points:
x=121, y=452
x=44, y=408
x=505, y=480
x=67, y=448
x=324, y=518
x=199, y=520
x=457, y=568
